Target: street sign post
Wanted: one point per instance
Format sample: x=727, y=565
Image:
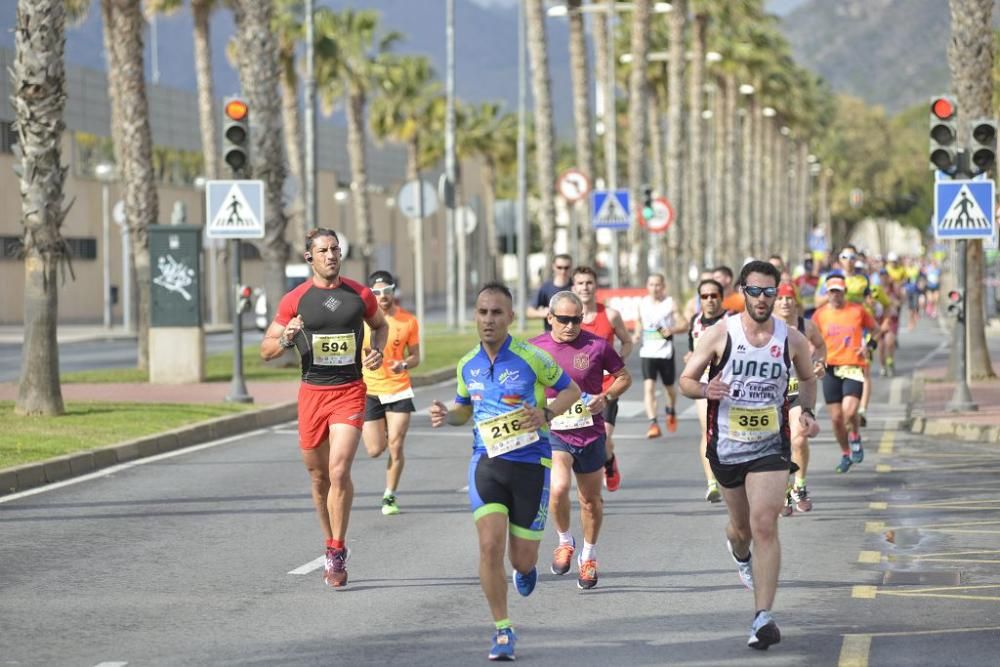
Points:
x=417, y=199
x=610, y=209
x=963, y=209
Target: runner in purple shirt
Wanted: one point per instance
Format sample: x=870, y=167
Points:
x=577, y=436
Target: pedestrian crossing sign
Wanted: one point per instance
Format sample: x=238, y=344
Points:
x=610, y=210
x=964, y=209
x=235, y=209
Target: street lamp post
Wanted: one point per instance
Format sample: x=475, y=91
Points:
x=340, y=196
x=105, y=172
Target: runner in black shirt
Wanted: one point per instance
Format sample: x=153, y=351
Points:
x=323, y=319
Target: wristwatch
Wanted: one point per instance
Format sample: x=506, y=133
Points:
x=549, y=415
x=405, y=366
x=287, y=343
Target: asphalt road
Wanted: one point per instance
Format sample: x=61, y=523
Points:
x=209, y=556
x=111, y=353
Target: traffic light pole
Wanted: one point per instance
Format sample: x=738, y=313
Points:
x=961, y=399
x=238, y=388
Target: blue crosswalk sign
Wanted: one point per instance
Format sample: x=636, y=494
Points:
x=610, y=210
x=963, y=209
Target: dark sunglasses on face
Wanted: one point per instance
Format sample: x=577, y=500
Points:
x=384, y=291
x=711, y=295
x=755, y=292
x=569, y=319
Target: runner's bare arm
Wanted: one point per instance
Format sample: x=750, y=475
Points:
x=681, y=324
x=710, y=346
x=411, y=360
x=372, y=356
x=621, y=333
x=623, y=380
x=456, y=415
x=562, y=402
x=798, y=346
x=815, y=339
x=278, y=338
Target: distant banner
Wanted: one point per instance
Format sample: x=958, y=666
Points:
x=625, y=301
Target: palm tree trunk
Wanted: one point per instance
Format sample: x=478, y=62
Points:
x=599, y=27
x=296, y=211
x=802, y=224
x=201, y=10
x=638, y=238
x=970, y=59
x=135, y=151
x=746, y=183
x=675, y=147
x=696, y=161
x=581, y=121
x=489, y=180
x=39, y=78
x=541, y=91
x=355, y=108
x=770, y=239
x=756, y=221
x=731, y=217
x=656, y=159
x=716, y=230
x=260, y=78
x=113, y=94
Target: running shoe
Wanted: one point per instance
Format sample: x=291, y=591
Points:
x=335, y=570
x=562, y=558
x=857, y=451
x=882, y=371
x=789, y=506
x=389, y=506
x=503, y=645
x=712, y=494
x=525, y=583
x=612, y=478
x=890, y=368
x=803, y=503
x=745, y=567
x=654, y=430
x=588, y=574
x=671, y=420
x=844, y=465
x=763, y=632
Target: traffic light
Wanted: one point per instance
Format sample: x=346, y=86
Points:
x=236, y=134
x=956, y=304
x=984, y=143
x=244, y=294
x=647, y=203
x=943, y=134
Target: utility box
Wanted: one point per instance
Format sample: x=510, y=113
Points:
x=176, y=337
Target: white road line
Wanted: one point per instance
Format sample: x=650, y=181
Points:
x=131, y=464
x=310, y=566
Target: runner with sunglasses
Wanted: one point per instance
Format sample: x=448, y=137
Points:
x=501, y=386
x=389, y=402
x=710, y=295
x=749, y=357
x=606, y=323
x=577, y=435
x=323, y=318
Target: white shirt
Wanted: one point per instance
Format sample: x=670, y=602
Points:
x=653, y=316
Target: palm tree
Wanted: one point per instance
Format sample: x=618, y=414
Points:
x=349, y=61
x=406, y=111
x=491, y=135
x=637, y=95
x=541, y=91
x=696, y=161
x=579, y=74
x=259, y=79
x=133, y=146
x=675, y=146
x=970, y=59
x=39, y=82
x=289, y=30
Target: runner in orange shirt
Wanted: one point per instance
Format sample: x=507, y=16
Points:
x=732, y=299
x=842, y=325
x=389, y=399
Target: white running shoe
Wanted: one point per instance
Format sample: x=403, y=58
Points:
x=745, y=568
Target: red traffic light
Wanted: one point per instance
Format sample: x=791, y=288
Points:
x=954, y=296
x=245, y=292
x=943, y=108
x=236, y=110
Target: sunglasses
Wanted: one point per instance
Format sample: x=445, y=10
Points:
x=569, y=319
x=384, y=291
x=755, y=292
x=712, y=295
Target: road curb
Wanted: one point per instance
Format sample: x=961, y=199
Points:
x=950, y=428
x=40, y=473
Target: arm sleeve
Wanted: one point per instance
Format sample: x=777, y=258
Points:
x=461, y=391
x=548, y=372
x=869, y=321
x=371, y=303
x=287, y=307
x=540, y=300
x=611, y=360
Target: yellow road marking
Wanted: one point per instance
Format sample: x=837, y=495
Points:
x=882, y=467
x=885, y=447
x=878, y=506
x=863, y=592
x=874, y=526
x=873, y=557
x=854, y=651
